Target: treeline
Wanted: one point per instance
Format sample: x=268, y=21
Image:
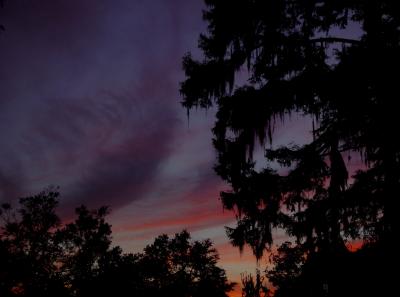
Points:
x=40, y=257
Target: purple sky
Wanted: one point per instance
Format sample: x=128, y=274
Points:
x=90, y=102
x=89, y=94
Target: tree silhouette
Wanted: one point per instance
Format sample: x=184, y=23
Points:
x=254, y=287
x=41, y=257
x=178, y=267
x=86, y=246
x=30, y=250
x=298, y=58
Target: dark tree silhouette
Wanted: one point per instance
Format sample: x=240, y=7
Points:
x=254, y=287
x=178, y=267
x=29, y=248
x=41, y=257
x=298, y=58
x=86, y=247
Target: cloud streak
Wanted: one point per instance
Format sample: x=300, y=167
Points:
x=89, y=96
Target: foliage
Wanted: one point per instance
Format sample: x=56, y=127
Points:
x=254, y=287
x=41, y=257
x=177, y=267
x=30, y=250
x=332, y=62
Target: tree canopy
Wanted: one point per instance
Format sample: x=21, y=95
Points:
x=177, y=267
x=332, y=62
x=40, y=256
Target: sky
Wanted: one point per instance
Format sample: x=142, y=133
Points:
x=89, y=102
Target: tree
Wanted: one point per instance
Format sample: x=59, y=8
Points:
x=254, y=287
x=41, y=257
x=178, y=267
x=29, y=249
x=86, y=244
x=299, y=59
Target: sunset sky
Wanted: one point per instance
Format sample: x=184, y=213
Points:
x=90, y=102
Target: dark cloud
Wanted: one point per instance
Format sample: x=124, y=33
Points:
x=89, y=95
x=124, y=167
x=101, y=151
